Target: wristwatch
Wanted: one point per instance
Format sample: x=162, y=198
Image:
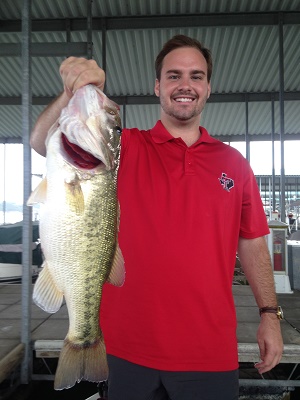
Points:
x=274, y=310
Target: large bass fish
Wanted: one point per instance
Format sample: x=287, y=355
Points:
x=78, y=228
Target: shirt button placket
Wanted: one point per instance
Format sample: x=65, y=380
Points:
x=189, y=166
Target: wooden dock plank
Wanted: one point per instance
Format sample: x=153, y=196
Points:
x=7, y=345
x=10, y=328
x=49, y=330
x=52, y=329
x=10, y=361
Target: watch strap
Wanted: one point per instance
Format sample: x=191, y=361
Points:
x=274, y=310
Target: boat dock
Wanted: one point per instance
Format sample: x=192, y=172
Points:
x=49, y=330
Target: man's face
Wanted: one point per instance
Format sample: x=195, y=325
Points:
x=183, y=88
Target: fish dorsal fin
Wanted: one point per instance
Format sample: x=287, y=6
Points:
x=39, y=194
x=117, y=273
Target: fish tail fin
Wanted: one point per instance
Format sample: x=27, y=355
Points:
x=45, y=293
x=81, y=362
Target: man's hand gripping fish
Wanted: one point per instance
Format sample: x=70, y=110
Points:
x=79, y=228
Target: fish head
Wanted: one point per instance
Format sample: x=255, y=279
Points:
x=90, y=129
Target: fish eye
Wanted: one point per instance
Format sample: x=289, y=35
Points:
x=111, y=111
x=119, y=130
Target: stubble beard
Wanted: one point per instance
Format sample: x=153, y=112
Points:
x=183, y=114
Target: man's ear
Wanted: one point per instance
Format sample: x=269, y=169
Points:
x=156, y=87
x=208, y=90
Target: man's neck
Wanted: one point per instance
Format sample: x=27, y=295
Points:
x=188, y=131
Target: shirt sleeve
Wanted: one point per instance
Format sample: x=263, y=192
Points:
x=253, y=219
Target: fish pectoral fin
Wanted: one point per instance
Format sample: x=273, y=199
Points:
x=39, y=194
x=45, y=293
x=74, y=197
x=117, y=273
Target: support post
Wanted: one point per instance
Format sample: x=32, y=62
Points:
x=124, y=115
x=273, y=154
x=90, y=29
x=281, y=107
x=27, y=212
x=104, y=48
x=247, y=128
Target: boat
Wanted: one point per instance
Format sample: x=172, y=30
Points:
x=10, y=273
x=11, y=267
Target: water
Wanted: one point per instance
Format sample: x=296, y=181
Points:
x=10, y=217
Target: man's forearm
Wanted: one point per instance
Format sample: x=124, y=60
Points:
x=256, y=263
x=44, y=122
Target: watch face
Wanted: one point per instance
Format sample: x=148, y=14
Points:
x=279, y=313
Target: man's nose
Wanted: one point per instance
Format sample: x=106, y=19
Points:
x=185, y=83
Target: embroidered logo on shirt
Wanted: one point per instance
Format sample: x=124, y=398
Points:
x=226, y=182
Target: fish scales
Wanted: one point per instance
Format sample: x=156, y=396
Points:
x=78, y=229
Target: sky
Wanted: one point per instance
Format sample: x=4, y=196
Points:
x=260, y=161
x=261, y=156
x=13, y=168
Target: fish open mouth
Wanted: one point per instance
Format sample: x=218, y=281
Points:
x=80, y=157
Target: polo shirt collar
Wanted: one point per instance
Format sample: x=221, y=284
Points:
x=160, y=134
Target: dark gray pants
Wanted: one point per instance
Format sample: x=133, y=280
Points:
x=128, y=381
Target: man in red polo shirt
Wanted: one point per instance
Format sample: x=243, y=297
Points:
x=188, y=203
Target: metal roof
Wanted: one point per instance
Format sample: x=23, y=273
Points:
x=244, y=37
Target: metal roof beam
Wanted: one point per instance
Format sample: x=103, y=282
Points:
x=155, y=22
x=256, y=138
x=45, y=49
x=152, y=99
x=223, y=138
x=199, y=20
x=214, y=98
x=251, y=97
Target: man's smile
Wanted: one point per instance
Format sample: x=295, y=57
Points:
x=183, y=99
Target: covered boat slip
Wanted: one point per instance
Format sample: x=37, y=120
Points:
x=49, y=330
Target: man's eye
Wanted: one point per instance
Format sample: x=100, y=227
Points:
x=173, y=77
x=197, y=77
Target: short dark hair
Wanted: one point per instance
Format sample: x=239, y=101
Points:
x=179, y=41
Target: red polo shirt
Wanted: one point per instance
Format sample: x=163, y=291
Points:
x=182, y=212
